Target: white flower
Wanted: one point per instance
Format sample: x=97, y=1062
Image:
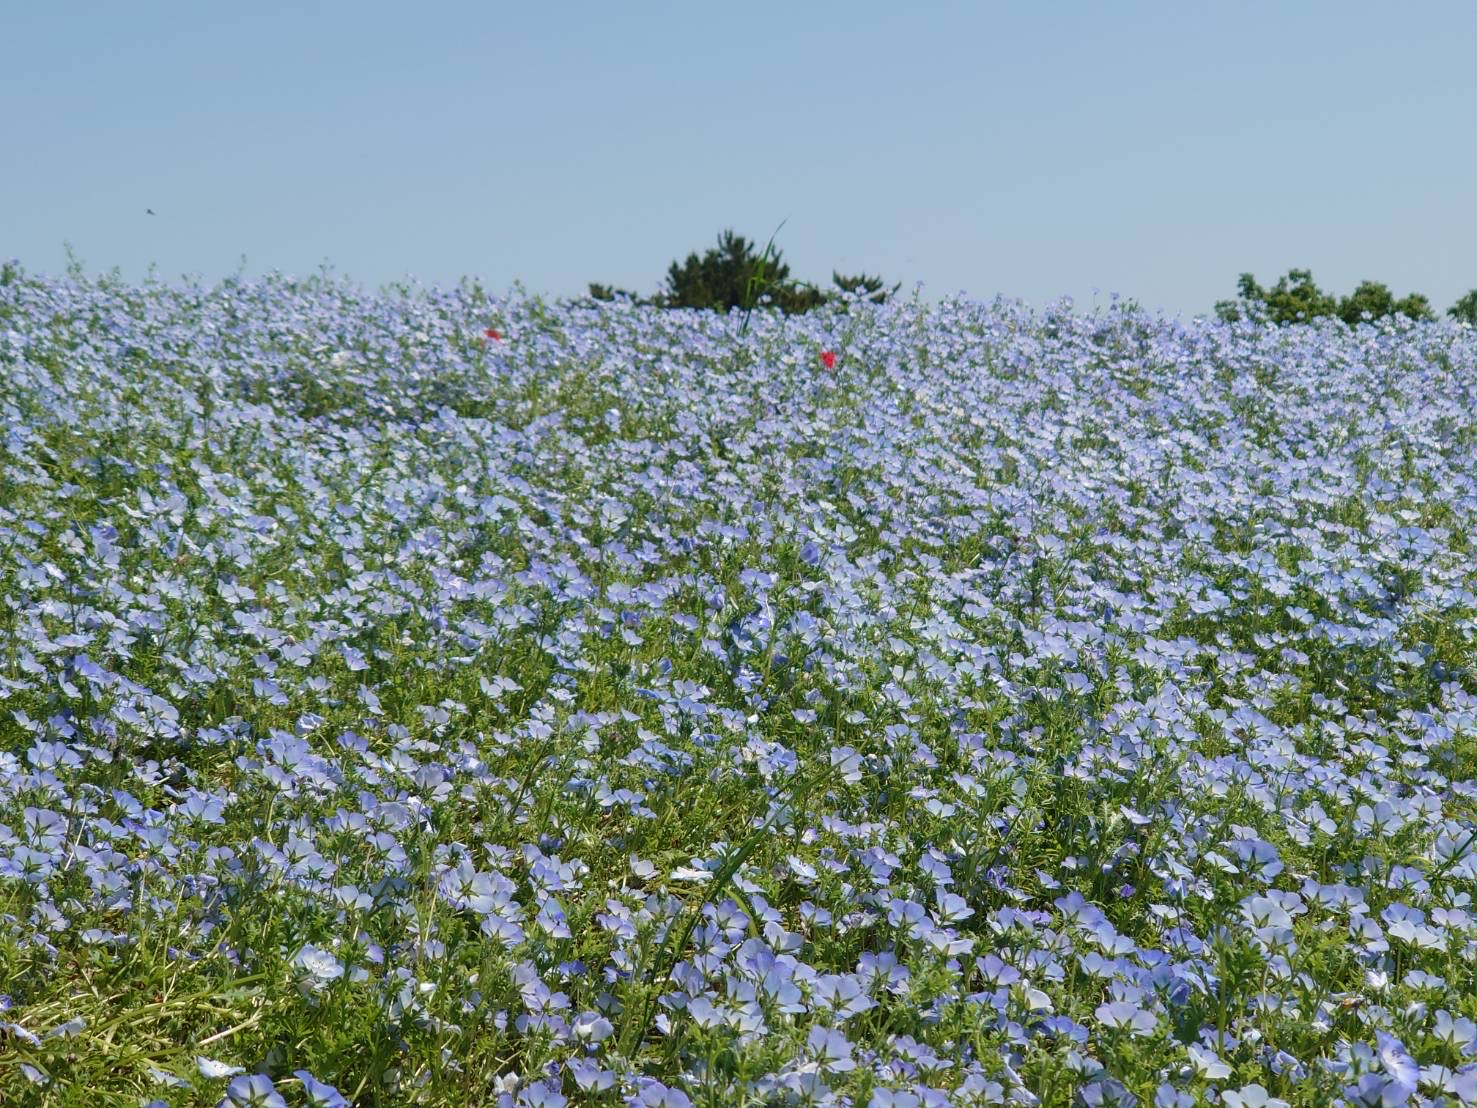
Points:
x=212, y=1070
x=1208, y=1063
x=592, y=1027
x=1252, y=1096
x=319, y=963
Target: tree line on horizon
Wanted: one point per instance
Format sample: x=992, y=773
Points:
x=1296, y=298
x=735, y=273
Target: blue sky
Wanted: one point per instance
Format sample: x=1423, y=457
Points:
x=1034, y=150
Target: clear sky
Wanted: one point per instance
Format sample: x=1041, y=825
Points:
x=1032, y=149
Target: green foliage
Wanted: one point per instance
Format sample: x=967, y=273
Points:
x=1465, y=309
x=1293, y=299
x=872, y=288
x=1296, y=298
x=1374, y=300
x=610, y=292
x=734, y=273
x=1416, y=305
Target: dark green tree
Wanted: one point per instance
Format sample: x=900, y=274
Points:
x=1371, y=297
x=873, y=288
x=735, y=275
x=1293, y=299
x=1465, y=309
x=1417, y=306
x=1374, y=300
x=609, y=292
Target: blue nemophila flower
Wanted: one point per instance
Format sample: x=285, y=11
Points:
x=1106, y=1091
x=1061, y=664
x=319, y=1094
x=589, y=1076
x=253, y=1091
x=319, y=966
x=67, y=1029
x=894, y=1098
x=1399, y=1066
x=1124, y=1015
x=830, y=1049
x=53, y=755
x=703, y=1012
x=843, y=994
x=651, y=1093
x=1457, y=1032
x=1460, y=1084
x=541, y=1094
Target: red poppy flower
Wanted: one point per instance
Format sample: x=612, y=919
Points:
x=493, y=334
x=828, y=359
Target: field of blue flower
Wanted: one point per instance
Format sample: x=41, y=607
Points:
x=631, y=708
